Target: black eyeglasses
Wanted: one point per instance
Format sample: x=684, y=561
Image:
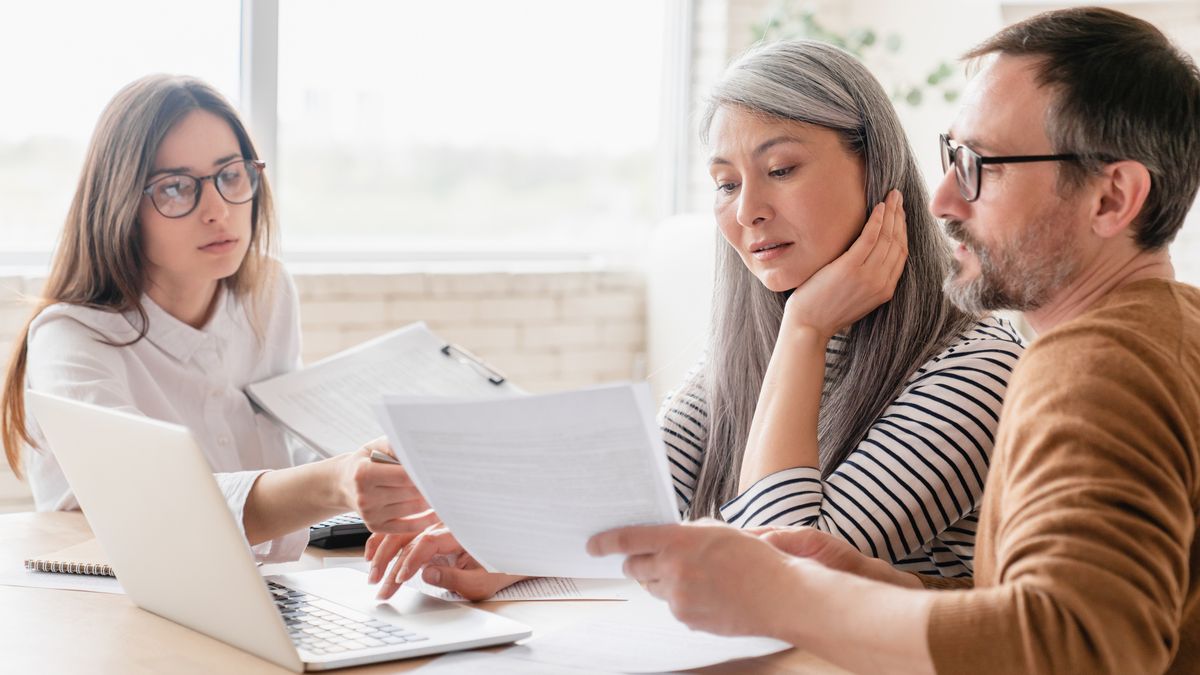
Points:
x=176, y=195
x=967, y=164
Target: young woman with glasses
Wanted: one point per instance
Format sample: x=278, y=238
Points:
x=163, y=300
x=841, y=390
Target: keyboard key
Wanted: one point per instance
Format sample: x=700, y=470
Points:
x=322, y=627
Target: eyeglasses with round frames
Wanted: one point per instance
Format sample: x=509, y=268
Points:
x=177, y=195
x=968, y=164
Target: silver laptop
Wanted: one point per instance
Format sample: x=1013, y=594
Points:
x=151, y=501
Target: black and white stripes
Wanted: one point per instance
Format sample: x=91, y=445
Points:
x=909, y=492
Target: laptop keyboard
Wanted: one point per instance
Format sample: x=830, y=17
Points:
x=321, y=627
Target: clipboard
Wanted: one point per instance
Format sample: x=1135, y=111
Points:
x=467, y=358
x=329, y=404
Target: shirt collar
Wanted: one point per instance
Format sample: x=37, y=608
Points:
x=177, y=338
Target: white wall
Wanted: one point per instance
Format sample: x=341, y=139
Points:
x=679, y=283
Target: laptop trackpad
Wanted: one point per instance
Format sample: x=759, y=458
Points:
x=350, y=588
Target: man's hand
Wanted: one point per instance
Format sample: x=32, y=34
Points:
x=714, y=577
x=834, y=553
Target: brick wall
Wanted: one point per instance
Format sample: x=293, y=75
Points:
x=546, y=329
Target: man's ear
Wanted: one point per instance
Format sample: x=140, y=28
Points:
x=1122, y=191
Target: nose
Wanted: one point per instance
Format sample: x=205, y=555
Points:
x=948, y=203
x=213, y=207
x=754, y=208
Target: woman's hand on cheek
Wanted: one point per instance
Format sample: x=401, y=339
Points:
x=859, y=280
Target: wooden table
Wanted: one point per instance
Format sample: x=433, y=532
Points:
x=61, y=631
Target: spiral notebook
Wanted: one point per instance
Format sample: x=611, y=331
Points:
x=85, y=558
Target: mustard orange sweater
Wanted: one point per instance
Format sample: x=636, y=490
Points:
x=1086, y=557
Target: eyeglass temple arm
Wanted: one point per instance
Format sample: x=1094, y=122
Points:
x=1021, y=159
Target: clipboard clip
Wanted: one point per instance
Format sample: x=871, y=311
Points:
x=467, y=358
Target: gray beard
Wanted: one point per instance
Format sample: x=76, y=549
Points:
x=1019, y=275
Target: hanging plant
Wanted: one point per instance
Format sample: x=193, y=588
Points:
x=791, y=19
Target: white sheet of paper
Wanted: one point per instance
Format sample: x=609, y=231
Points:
x=329, y=403
x=536, y=588
x=524, y=482
x=648, y=644
x=68, y=582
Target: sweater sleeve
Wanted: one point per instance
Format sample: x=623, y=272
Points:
x=1094, y=520
x=919, y=470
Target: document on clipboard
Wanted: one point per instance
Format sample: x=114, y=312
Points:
x=329, y=405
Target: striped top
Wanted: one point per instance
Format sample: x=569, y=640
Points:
x=909, y=493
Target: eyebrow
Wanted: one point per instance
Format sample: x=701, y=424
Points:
x=185, y=169
x=981, y=147
x=762, y=147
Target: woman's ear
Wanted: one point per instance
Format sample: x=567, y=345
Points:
x=1123, y=189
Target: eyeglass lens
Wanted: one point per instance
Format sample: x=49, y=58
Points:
x=176, y=196
x=966, y=167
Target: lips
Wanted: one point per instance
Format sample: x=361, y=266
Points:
x=769, y=250
x=762, y=246
x=218, y=244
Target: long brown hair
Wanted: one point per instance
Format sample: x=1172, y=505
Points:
x=99, y=262
x=820, y=84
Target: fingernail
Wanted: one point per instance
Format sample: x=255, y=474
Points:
x=433, y=575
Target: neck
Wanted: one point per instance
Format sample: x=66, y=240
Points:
x=1097, y=281
x=191, y=303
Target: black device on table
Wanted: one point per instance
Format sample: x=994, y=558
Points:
x=342, y=531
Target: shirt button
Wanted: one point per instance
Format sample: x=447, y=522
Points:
x=224, y=440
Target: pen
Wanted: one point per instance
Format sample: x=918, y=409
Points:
x=383, y=458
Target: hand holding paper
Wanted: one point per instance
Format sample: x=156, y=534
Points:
x=524, y=482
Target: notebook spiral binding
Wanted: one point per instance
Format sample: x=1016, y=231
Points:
x=60, y=567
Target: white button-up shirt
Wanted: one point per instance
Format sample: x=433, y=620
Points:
x=178, y=374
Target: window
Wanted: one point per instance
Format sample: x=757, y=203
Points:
x=64, y=61
x=468, y=124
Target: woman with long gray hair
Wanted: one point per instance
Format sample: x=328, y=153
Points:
x=840, y=390
x=820, y=402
